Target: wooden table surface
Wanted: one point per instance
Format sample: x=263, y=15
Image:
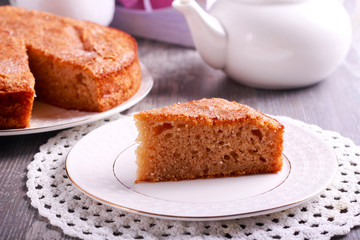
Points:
x=181, y=75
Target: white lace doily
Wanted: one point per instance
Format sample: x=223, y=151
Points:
x=334, y=212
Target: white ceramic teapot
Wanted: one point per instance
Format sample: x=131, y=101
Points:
x=273, y=44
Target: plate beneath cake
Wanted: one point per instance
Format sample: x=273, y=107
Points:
x=102, y=165
x=46, y=117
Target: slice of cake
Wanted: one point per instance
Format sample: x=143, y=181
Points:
x=16, y=83
x=206, y=138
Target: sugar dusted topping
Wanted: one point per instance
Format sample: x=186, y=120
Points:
x=210, y=111
x=14, y=69
x=95, y=48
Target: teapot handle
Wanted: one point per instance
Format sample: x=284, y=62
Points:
x=353, y=8
x=355, y=20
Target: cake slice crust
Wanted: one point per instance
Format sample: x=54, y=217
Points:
x=16, y=83
x=206, y=138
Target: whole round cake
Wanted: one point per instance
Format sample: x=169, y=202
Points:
x=76, y=64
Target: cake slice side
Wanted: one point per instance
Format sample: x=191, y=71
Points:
x=16, y=84
x=206, y=138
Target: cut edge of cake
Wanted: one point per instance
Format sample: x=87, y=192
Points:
x=201, y=139
x=16, y=84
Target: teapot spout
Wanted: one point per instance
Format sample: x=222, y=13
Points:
x=209, y=36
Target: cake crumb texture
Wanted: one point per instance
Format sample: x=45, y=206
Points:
x=206, y=138
x=16, y=83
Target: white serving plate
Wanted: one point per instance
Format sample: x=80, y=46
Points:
x=102, y=165
x=46, y=117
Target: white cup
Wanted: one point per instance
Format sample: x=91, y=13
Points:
x=98, y=11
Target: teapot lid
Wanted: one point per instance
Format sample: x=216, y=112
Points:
x=268, y=1
x=209, y=3
x=273, y=1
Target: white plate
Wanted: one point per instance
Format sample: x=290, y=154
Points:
x=46, y=117
x=102, y=165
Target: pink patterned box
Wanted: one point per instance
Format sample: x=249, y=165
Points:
x=153, y=19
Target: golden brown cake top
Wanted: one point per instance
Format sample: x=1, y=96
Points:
x=14, y=68
x=210, y=111
x=99, y=49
